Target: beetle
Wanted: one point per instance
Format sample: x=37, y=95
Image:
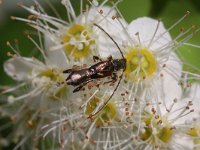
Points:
x=81, y=76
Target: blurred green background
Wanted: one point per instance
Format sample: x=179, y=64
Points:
x=169, y=11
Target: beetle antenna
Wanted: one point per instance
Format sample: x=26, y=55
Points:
x=120, y=78
x=110, y=38
x=106, y=102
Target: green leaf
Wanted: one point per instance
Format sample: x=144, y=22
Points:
x=132, y=9
x=173, y=12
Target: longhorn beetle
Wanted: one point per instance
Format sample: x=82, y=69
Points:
x=104, y=68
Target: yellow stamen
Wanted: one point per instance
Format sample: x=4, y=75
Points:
x=53, y=74
x=56, y=76
x=78, y=41
x=194, y=132
x=164, y=132
x=105, y=116
x=140, y=63
x=59, y=93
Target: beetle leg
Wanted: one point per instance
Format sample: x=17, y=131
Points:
x=110, y=58
x=96, y=58
x=68, y=71
x=81, y=86
x=75, y=68
x=114, y=78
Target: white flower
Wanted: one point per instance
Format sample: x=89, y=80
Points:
x=170, y=125
x=37, y=94
x=105, y=130
x=153, y=70
x=191, y=129
x=192, y=134
x=153, y=105
x=77, y=37
x=159, y=127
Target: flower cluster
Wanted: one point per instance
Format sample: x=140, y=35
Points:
x=142, y=99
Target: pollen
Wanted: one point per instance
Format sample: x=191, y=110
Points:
x=156, y=129
x=52, y=74
x=105, y=116
x=78, y=41
x=141, y=63
x=194, y=131
x=59, y=93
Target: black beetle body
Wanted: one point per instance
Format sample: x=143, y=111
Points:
x=108, y=68
x=102, y=69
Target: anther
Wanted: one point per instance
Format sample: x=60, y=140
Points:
x=137, y=33
x=127, y=113
x=153, y=110
x=190, y=103
x=13, y=119
x=187, y=107
x=192, y=110
x=187, y=13
x=9, y=54
x=173, y=128
x=114, y=17
x=126, y=103
x=147, y=104
x=159, y=122
x=193, y=26
x=122, y=94
x=31, y=17
x=157, y=117
x=8, y=43
x=101, y=11
x=30, y=123
x=182, y=29
x=12, y=17
x=164, y=65
x=157, y=146
x=28, y=36
x=16, y=41
x=175, y=100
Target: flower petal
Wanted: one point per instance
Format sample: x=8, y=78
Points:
x=55, y=57
x=174, y=65
x=195, y=98
x=94, y=15
x=180, y=141
x=105, y=44
x=19, y=67
x=171, y=87
x=152, y=33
